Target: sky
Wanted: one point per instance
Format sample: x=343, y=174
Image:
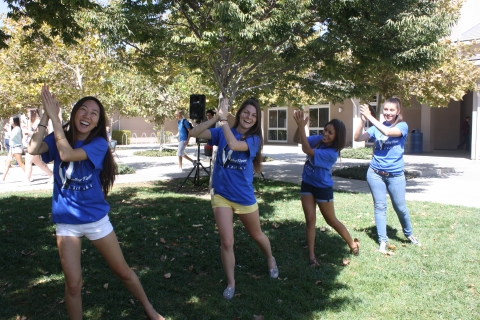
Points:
x=470, y=15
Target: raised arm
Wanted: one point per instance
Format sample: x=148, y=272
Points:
x=65, y=150
x=386, y=131
x=300, y=136
x=359, y=134
x=36, y=145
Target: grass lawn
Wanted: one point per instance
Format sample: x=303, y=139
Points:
x=162, y=232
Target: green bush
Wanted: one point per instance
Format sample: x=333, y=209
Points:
x=360, y=173
x=124, y=169
x=357, y=153
x=118, y=134
x=156, y=153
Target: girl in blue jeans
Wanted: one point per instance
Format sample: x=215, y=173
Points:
x=386, y=168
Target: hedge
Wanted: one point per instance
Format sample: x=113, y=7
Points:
x=118, y=134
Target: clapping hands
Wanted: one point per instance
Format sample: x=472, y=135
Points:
x=50, y=104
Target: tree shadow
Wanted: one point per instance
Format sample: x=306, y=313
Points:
x=163, y=233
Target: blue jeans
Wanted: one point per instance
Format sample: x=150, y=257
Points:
x=396, y=186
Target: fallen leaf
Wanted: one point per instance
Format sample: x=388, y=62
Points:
x=391, y=246
x=345, y=262
x=41, y=217
x=163, y=241
x=197, y=225
x=390, y=253
x=163, y=258
x=105, y=286
x=318, y=282
x=131, y=301
x=190, y=268
x=61, y=301
x=255, y=317
x=323, y=229
x=275, y=225
x=167, y=275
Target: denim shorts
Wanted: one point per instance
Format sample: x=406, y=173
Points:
x=320, y=194
x=93, y=231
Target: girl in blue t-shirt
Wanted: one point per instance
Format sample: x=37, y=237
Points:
x=84, y=172
x=238, y=157
x=317, y=184
x=386, y=168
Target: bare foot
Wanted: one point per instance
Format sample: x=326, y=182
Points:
x=152, y=314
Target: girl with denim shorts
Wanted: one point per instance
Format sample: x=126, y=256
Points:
x=386, y=168
x=317, y=185
x=84, y=172
x=238, y=156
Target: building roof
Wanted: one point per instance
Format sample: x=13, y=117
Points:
x=471, y=34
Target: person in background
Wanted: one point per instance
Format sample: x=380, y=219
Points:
x=317, y=184
x=7, y=129
x=16, y=148
x=238, y=157
x=84, y=175
x=465, y=131
x=385, y=173
x=184, y=128
x=28, y=131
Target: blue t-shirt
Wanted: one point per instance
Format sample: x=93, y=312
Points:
x=77, y=191
x=388, y=153
x=233, y=171
x=317, y=169
x=183, y=124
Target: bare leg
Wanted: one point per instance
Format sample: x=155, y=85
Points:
x=69, y=249
x=180, y=162
x=328, y=211
x=110, y=249
x=251, y=222
x=28, y=166
x=18, y=157
x=42, y=165
x=309, y=209
x=224, y=220
x=188, y=158
x=8, y=163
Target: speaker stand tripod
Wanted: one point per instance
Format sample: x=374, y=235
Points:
x=196, y=167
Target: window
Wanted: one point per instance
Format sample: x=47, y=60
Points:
x=319, y=116
x=277, y=124
x=373, y=104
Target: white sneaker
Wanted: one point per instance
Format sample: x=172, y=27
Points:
x=383, y=247
x=178, y=170
x=414, y=240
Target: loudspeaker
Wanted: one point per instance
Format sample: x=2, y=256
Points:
x=197, y=106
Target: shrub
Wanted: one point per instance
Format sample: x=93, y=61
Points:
x=357, y=153
x=360, y=173
x=124, y=169
x=156, y=153
x=118, y=134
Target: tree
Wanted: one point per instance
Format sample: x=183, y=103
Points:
x=276, y=49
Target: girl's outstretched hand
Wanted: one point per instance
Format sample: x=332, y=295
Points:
x=298, y=116
x=223, y=110
x=50, y=104
x=365, y=111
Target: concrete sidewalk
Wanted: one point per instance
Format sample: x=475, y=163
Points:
x=447, y=177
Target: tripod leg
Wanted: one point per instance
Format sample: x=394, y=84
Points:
x=185, y=179
x=206, y=171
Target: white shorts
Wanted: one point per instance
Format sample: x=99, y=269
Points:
x=93, y=231
x=15, y=150
x=181, y=148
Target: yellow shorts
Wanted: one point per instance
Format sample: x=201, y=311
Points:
x=220, y=202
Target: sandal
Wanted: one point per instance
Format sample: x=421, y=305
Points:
x=313, y=263
x=356, y=251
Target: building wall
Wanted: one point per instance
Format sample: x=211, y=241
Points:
x=447, y=126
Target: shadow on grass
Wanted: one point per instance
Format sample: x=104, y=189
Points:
x=161, y=233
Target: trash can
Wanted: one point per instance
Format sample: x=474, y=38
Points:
x=417, y=141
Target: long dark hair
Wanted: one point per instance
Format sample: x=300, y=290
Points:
x=396, y=101
x=109, y=170
x=340, y=135
x=255, y=130
x=16, y=121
